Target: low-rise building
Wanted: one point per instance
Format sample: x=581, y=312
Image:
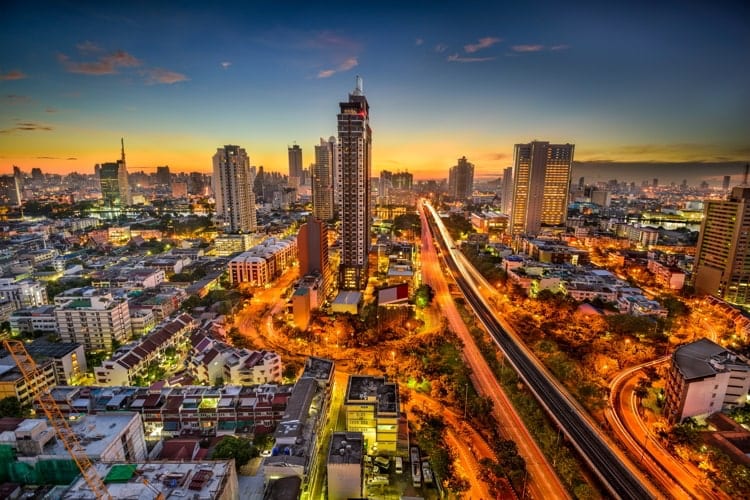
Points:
x=204, y=480
x=69, y=359
x=13, y=384
x=345, y=465
x=33, y=319
x=263, y=263
x=23, y=293
x=92, y=317
x=372, y=408
x=705, y=378
x=133, y=360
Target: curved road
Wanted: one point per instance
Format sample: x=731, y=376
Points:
x=675, y=478
x=621, y=478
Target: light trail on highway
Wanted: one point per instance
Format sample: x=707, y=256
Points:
x=617, y=474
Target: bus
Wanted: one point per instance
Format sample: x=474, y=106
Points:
x=416, y=467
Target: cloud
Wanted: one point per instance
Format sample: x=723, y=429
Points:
x=560, y=47
x=462, y=59
x=50, y=110
x=495, y=156
x=440, y=48
x=226, y=64
x=348, y=64
x=418, y=42
x=482, y=43
x=164, y=76
x=88, y=47
x=71, y=158
x=527, y=48
x=13, y=75
x=23, y=126
x=16, y=99
x=105, y=65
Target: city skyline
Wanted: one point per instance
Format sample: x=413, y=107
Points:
x=636, y=83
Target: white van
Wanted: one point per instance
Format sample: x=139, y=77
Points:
x=399, y=465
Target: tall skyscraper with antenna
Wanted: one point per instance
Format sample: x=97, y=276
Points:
x=354, y=158
x=113, y=178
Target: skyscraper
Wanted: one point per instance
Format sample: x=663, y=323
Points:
x=233, y=189
x=295, y=166
x=461, y=179
x=10, y=192
x=354, y=156
x=722, y=261
x=322, y=179
x=541, y=180
x=312, y=249
x=725, y=182
x=163, y=177
x=507, y=194
x=114, y=182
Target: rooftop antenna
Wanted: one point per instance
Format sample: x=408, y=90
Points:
x=358, y=90
x=744, y=179
x=122, y=144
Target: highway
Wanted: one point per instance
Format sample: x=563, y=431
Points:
x=543, y=481
x=615, y=472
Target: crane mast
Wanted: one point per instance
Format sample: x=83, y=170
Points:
x=64, y=433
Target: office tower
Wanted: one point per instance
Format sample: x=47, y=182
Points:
x=114, y=182
x=233, y=190
x=507, y=194
x=722, y=261
x=312, y=248
x=163, y=177
x=541, y=179
x=725, y=182
x=461, y=180
x=354, y=156
x=296, y=175
x=322, y=179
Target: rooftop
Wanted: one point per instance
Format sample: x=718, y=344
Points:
x=346, y=448
x=704, y=358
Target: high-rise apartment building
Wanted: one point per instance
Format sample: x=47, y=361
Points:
x=725, y=182
x=10, y=191
x=113, y=178
x=92, y=317
x=722, y=261
x=322, y=179
x=507, y=193
x=312, y=248
x=354, y=157
x=163, y=176
x=233, y=190
x=541, y=180
x=461, y=180
x=402, y=180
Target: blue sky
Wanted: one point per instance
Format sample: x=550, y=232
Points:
x=629, y=82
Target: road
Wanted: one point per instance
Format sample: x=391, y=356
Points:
x=544, y=483
x=674, y=476
x=616, y=472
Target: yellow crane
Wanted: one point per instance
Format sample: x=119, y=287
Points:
x=64, y=433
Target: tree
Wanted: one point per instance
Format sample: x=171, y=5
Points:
x=423, y=295
x=240, y=449
x=10, y=407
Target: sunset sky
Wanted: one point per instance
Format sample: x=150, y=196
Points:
x=636, y=82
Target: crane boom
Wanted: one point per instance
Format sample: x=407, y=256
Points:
x=64, y=433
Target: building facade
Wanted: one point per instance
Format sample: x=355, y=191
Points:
x=312, y=245
x=296, y=174
x=263, y=263
x=461, y=180
x=92, y=317
x=722, y=261
x=354, y=156
x=541, y=180
x=233, y=190
x=322, y=179
x=704, y=378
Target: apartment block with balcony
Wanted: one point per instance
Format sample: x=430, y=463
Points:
x=92, y=317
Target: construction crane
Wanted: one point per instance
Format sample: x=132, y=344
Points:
x=64, y=433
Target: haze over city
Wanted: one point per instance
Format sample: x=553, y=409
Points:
x=636, y=83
